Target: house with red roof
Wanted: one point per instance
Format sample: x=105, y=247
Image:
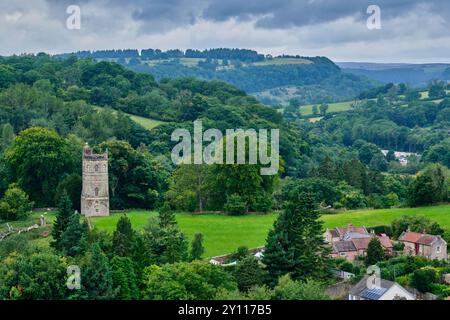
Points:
x=351, y=242
x=425, y=245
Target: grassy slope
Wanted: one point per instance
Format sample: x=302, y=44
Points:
x=306, y=110
x=147, y=123
x=223, y=234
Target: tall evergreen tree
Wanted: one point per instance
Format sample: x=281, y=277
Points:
x=62, y=219
x=73, y=240
x=97, y=277
x=124, y=278
x=166, y=216
x=122, y=240
x=375, y=252
x=248, y=273
x=296, y=244
x=197, y=247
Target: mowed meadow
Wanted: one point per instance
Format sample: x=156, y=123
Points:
x=224, y=234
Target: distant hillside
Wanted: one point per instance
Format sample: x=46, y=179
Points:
x=272, y=80
x=413, y=74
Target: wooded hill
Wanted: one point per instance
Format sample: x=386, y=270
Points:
x=273, y=80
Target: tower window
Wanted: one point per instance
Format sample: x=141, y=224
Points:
x=96, y=192
x=96, y=168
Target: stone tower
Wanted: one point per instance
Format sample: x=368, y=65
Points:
x=95, y=194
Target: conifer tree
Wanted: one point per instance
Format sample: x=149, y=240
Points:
x=375, y=252
x=74, y=239
x=124, y=278
x=97, y=277
x=295, y=245
x=166, y=216
x=122, y=240
x=197, y=247
x=62, y=219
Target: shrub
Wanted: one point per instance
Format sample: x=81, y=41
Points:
x=399, y=246
x=15, y=204
x=235, y=205
x=422, y=279
x=288, y=289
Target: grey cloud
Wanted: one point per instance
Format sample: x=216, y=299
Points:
x=288, y=13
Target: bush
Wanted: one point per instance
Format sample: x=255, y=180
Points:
x=399, y=246
x=263, y=203
x=422, y=279
x=235, y=205
x=441, y=290
x=15, y=204
x=346, y=266
x=288, y=289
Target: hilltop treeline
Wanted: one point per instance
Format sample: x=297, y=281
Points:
x=245, y=55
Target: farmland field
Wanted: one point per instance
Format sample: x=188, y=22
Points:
x=332, y=107
x=224, y=234
x=282, y=61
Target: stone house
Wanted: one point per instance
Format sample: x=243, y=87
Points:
x=351, y=242
x=350, y=231
x=425, y=245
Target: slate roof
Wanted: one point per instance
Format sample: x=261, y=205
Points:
x=362, y=243
x=355, y=235
x=352, y=229
x=343, y=246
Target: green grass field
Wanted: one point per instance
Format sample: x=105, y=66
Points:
x=223, y=234
x=306, y=110
x=147, y=123
x=282, y=61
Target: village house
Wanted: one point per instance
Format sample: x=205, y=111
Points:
x=350, y=231
x=385, y=290
x=351, y=242
x=425, y=245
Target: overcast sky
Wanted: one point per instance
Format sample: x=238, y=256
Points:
x=411, y=30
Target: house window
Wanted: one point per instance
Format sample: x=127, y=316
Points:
x=342, y=254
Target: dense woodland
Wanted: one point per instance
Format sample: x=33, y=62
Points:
x=318, y=79
x=49, y=107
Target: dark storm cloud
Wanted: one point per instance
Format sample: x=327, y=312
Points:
x=154, y=15
x=412, y=30
x=287, y=13
x=158, y=15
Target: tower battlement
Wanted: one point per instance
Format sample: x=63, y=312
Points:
x=95, y=192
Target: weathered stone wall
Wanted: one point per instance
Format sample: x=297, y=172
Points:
x=95, y=192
